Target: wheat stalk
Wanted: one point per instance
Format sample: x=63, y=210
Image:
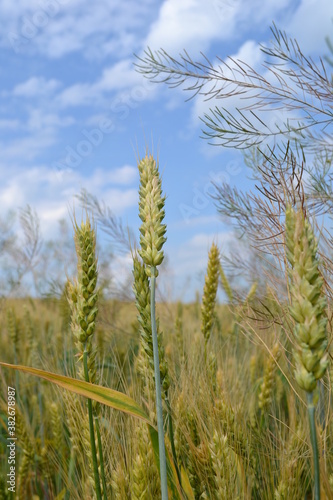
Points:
x=84, y=309
x=152, y=238
x=308, y=307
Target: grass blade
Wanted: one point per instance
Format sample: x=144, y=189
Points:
x=114, y=399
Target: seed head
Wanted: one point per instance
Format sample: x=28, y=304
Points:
x=308, y=304
x=210, y=290
x=151, y=212
x=83, y=297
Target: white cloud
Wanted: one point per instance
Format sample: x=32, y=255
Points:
x=40, y=119
x=193, y=24
x=56, y=28
x=76, y=95
x=33, y=135
x=27, y=148
x=49, y=216
x=102, y=28
x=11, y=195
x=36, y=87
x=188, y=263
x=119, y=46
x=101, y=184
x=121, y=266
x=310, y=24
x=122, y=175
x=53, y=196
x=189, y=24
x=119, y=76
x=121, y=199
x=191, y=257
x=121, y=80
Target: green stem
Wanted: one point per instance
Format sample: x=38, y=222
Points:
x=313, y=434
x=101, y=459
x=91, y=428
x=159, y=411
x=205, y=353
x=172, y=439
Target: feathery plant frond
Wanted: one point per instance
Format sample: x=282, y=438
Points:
x=23, y=249
x=295, y=83
x=107, y=221
x=258, y=216
x=29, y=222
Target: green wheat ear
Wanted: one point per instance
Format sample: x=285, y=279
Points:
x=151, y=213
x=308, y=304
x=210, y=291
x=83, y=296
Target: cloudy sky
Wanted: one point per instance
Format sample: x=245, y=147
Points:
x=74, y=113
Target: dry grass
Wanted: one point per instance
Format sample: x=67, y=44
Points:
x=227, y=440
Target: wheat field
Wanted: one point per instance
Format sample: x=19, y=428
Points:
x=245, y=385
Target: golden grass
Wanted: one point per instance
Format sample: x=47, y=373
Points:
x=227, y=440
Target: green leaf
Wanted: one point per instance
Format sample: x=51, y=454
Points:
x=186, y=485
x=104, y=395
x=114, y=399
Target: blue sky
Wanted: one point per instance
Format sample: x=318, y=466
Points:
x=74, y=113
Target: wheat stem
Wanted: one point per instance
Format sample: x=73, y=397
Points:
x=313, y=435
x=101, y=458
x=159, y=410
x=91, y=429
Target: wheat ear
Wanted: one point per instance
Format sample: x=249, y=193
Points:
x=266, y=388
x=308, y=306
x=209, y=294
x=152, y=238
x=84, y=307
